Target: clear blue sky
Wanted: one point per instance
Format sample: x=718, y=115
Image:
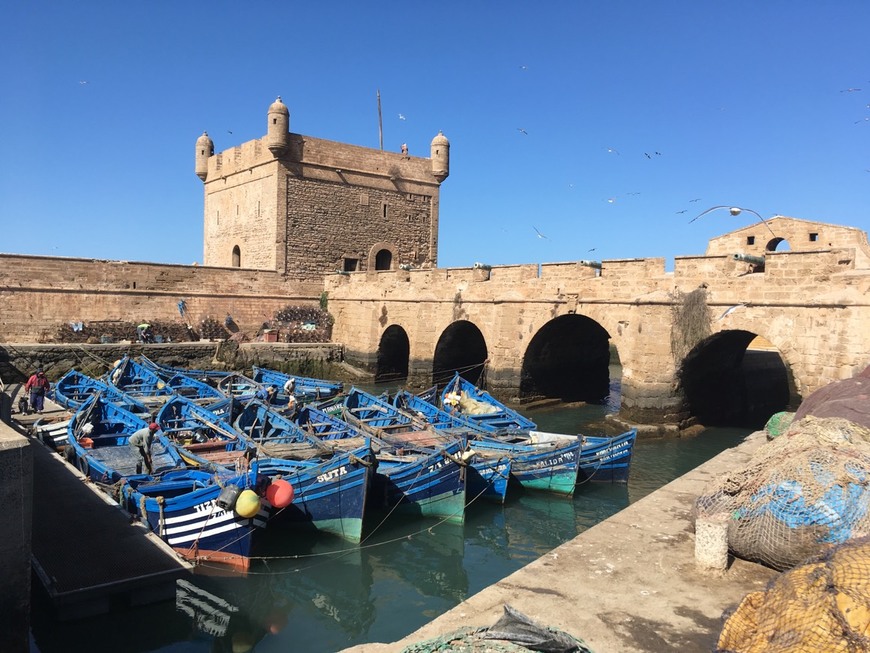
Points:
x=738, y=103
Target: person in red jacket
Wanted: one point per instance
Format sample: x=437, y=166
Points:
x=37, y=385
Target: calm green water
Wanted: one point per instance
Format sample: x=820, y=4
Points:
x=318, y=595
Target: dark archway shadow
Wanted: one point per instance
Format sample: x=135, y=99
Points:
x=461, y=348
x=393, y=352
x=568, y=359
x=734, y=379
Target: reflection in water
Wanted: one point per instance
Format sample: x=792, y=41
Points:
x=318, y=594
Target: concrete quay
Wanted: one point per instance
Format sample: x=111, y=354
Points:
x=629, y=584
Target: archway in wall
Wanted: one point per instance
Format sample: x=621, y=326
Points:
x=393, y=352
x=461, y=348
x=568, y=358
x=237, y=257
x=735, y=378
x=383, y=260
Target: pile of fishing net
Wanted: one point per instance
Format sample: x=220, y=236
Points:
x=801, y=492
x=514, y=632
x=821, y=606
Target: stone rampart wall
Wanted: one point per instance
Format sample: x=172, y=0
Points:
x=39, y=294
x=811, y=305
x=17, y=361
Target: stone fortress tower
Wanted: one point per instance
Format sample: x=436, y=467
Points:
x=306, y=207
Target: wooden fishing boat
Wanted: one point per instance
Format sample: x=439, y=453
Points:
x=194, y=389
x=329, y=490
x=191, y=510
x=550, y=466
x=196, y=512
x=168, y=371
x=141, y=383
x=490, y=471
x=97, y=442
x=330, y=480
x=465, y=399
x=412, y=479
x=74, y=388
x=305, y=388
x=602, y=458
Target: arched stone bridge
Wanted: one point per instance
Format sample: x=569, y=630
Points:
x=725, y=339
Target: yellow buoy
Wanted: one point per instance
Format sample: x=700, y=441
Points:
x=248, y=504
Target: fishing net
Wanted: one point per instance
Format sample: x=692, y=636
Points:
x=778, y=424
x=822, y=605
x=805, y=490
x=514, y=632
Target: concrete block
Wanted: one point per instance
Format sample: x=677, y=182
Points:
x=711, y=542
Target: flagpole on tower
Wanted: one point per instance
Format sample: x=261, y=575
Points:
x=380, y=122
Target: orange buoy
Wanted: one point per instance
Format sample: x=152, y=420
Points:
x=248, y=504
x=280, y=493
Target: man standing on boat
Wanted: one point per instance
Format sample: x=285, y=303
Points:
x=142, y=440
x=37, y=385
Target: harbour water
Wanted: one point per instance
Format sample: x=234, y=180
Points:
x=318, y=594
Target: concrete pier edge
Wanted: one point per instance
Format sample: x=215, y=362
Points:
x=629, y=584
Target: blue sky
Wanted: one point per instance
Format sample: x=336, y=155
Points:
x=637, y=116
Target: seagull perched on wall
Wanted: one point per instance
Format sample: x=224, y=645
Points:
x=735, y=211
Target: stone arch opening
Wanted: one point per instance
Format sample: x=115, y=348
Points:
x=393, y=352
x=568, y=358
x=461, y=348
x=735, y=378
x=777, y=245
x=384, y=260
x=381, y=256
x=237, y=257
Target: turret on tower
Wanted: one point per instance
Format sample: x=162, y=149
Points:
x=440, y=157
x=278, y=133
x=204, y=149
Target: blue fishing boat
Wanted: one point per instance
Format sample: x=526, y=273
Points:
x=191, y=510
x=319, y=481
x=238, y=385
x=196, y=512
x=550, y=466
x=74, y=388
x=331, y=479
x=304, y=388
x=400, y=422
x=97, y=442
x=602, y=458
x=141, y=383
x=412, y=479
x=194, y=389
x=465, y=399
x=168, y=371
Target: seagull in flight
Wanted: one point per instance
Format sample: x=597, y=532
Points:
x=522, y=131
x=730, y=310
x=612, y=150
x=83, y=82
x=683, y=211
x=540, y=235
x=401, y=116
x=735, y=211
x=850, y=90
x=697, y=199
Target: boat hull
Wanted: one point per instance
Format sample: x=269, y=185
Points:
x=431, y=486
